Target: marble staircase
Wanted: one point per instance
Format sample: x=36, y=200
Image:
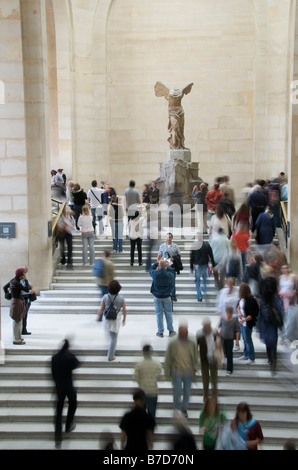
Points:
x=105, y=388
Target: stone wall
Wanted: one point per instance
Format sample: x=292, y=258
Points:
x=237, y=54
x=13, y=154
x=24, y=141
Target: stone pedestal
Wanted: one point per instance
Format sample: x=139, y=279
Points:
x=178, y=177
x=184, y=155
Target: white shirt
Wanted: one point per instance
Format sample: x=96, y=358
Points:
x=168, y=251
x=226, y=299
x=91, y=196
x=85, y=223
x=241, y=305
x=210, y=345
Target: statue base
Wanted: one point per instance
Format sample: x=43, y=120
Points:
x=179, y=154
x=177, y=178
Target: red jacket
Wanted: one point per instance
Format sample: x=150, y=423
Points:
x=212, y=198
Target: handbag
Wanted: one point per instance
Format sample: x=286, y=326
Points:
x=8, y=295
x=218, y=352
x=33, y=297
x=110, y=312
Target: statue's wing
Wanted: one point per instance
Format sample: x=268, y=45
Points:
x=161, y=90
x=187, y=89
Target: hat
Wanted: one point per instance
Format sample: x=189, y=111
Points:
x=19, y=272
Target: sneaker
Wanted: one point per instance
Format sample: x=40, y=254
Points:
x=112, y=358
x=172, y=333
x=159, y=334
x=200, y=300
x=250, y=361
x=243, y=358
x=184, y=413
x=229, y=372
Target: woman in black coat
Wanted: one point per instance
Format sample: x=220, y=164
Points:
x=79, y=200
x=271, y=319
x=17, y=304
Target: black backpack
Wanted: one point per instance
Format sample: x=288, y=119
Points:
x=110, y=311
x=271, y=316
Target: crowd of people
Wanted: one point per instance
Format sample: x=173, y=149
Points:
x=256, y=292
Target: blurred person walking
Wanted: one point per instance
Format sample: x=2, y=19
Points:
x=242, y=238
x=248, y=310
x=199, y=260
x=62, y=365
x=206, y=341
x=104, y=272
x=212, y=197
x=210, y=421
x=229, y=331
x=271, y=319
x=147, y=374
x=220, y=248
x=181, y=364
x=137, y=426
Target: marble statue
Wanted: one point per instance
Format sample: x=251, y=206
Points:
x=176, y=112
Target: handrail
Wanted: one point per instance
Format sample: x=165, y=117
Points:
x=284, y=210
x=284, y=220
x=55, y=221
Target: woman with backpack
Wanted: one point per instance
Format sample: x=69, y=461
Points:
x=109, y=311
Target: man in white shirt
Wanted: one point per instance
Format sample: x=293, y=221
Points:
x=167, y=251
x=94, y=198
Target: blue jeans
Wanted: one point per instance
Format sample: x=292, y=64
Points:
x=173, y=293
x=100, y=221
x=201, y=271
x=88, y=240
x=163, y=305
x=181, y=386
x=113, y=344
x=243, y=257
x=150, y=405
x=249, y=349
x=117, y=234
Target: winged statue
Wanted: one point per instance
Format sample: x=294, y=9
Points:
x=176, y=113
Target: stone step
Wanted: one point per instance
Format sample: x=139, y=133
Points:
x=85, y=431
x=98, y=443
x=95, y=293
x=90, y=383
